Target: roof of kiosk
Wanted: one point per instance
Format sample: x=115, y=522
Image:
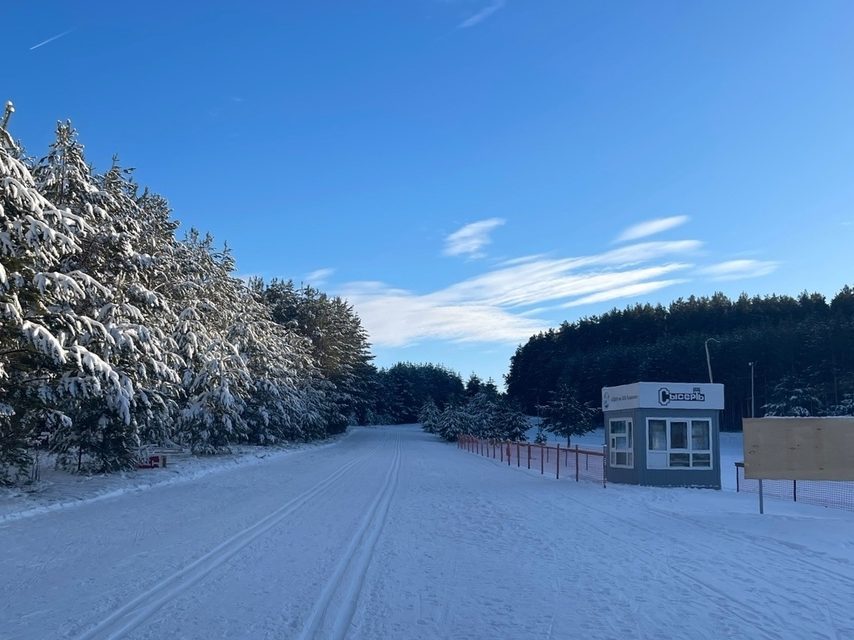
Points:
x=663, y=395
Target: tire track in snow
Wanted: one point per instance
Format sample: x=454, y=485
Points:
x=348, y=579
x=135, y=612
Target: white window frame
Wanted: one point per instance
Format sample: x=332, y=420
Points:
x=629, y=450
x=689, y=450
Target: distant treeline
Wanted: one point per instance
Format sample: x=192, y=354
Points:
x=802, y=349
x=401, y=391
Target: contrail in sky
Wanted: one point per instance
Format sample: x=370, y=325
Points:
x=51, y=39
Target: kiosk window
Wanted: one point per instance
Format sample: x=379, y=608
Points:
x=679, y=443
x=678, y=435
x=700, y=435
x=620, y=443
x=658, y=435
x=680, y=459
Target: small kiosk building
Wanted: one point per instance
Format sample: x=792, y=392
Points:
x=663, y=433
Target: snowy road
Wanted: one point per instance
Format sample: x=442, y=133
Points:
x=391, y=534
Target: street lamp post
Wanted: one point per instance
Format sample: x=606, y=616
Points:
x=708, y=360
x=752, y=405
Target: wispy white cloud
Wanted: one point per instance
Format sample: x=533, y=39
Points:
x=51, y=39
x=651, y=227
x=478, y=17
x=319, y=276
x=739, y=269
x=629, y=291
x=520, y=296
x=470, y=239
x=396, y=318
x=503, y=305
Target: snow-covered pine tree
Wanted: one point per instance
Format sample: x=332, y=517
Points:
x=429, y=416
x=793, y=396
x=339, y=344
x=279, y=362
x=122, y=307
x=566, y=416
x=511, y=423
x=214, y=375
x=52, y=357
x=480, y=411
x=453, y=422
x=845, y=407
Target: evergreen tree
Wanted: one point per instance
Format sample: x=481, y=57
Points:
x=117, y=306
x=845, y=407
x=793, y=397
x=429, y=416
x=480, y=412
x=339, y=346
x=452, y=423
x=566, y=416
x=54, y=352
x=474, y=385
x=511, y=423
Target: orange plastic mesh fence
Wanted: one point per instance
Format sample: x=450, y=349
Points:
x=572, y=463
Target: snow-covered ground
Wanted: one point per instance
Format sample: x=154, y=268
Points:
x=58, y=489
x=392, y=534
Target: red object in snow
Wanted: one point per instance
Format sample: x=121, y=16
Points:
x=153, y=462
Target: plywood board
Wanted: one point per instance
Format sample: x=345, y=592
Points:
x=799, y=448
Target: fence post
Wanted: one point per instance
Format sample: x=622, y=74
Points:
x=542, y=468
x=518, y=464
x=795, y=490
x=509, y=453
x=557, y=462
x=576, y=463
x=737, y=482
x=528, y=449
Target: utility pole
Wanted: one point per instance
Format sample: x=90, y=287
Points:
x=708, y=360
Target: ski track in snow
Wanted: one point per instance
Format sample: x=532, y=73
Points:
x=143, y=606
x=393, y=534
x=346, y=583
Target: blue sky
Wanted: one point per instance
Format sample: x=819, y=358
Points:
x=468, y=172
